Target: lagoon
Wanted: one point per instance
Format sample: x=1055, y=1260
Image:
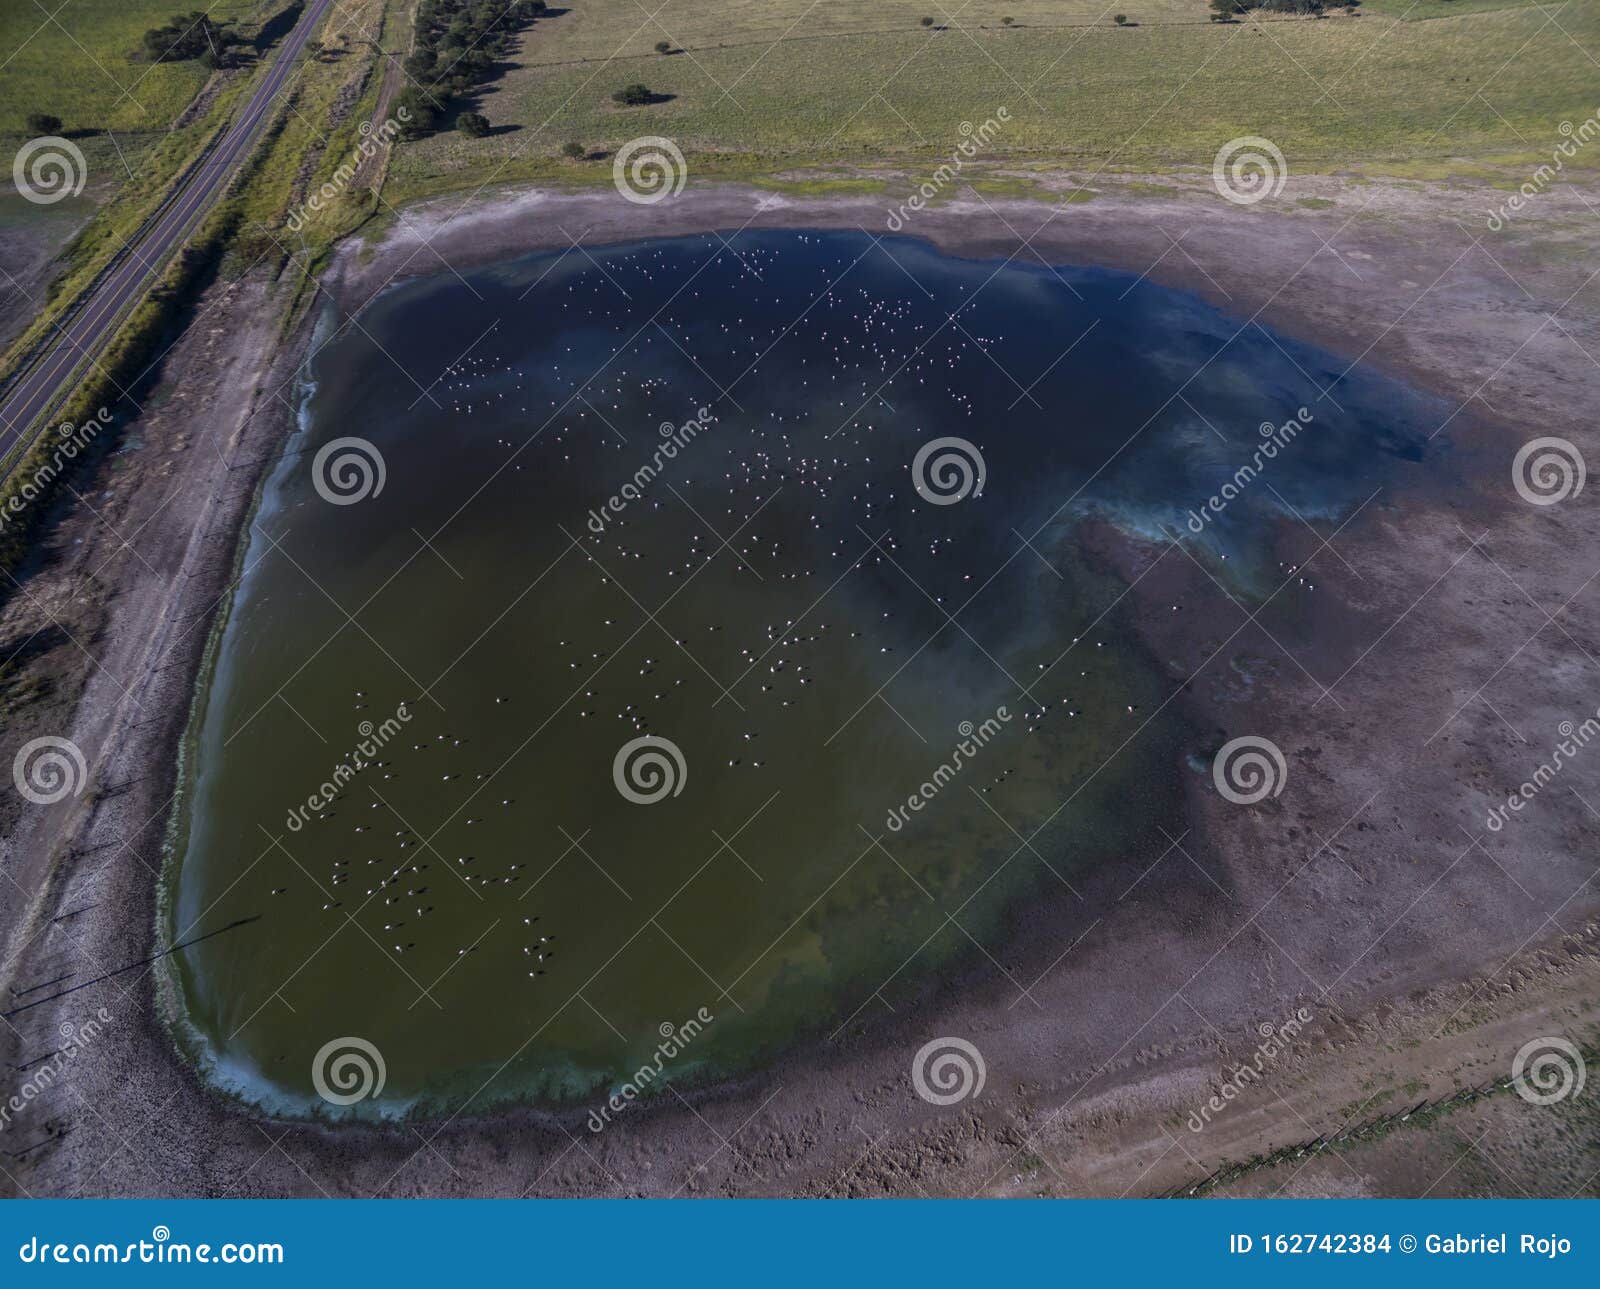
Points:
x=699, y=627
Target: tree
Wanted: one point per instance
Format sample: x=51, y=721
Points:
x=1121, y=20
x=574, y=150
x=43, y=123
x=634, y=95
x=663, y=47
x=420, y=112
x=473, y=124
x=186, y=36
x=1006, y=22
x=927, y=22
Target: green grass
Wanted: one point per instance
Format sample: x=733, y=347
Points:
x=1330, y=93
x=603, y=29
x=1421, y=10
x=79, y=65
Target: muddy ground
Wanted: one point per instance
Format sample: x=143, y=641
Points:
x=1448, y=636
x=31, y=240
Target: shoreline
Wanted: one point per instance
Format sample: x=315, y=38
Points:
x=815, y=1127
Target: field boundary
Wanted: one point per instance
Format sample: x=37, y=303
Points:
x=1423, y=1113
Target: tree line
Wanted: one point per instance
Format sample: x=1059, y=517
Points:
x=192, y=35
x=458, y=43
x=1228, y=10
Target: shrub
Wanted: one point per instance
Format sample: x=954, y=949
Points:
x=927, y=22
x=635, y=95
x=1121, y=20
x=473, y=124
x=663, y=47
x=574, y=150
x=43, y=123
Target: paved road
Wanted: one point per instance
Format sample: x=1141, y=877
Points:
x=85, y=335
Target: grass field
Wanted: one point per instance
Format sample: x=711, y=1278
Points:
x=782, y=83
x=73, y=60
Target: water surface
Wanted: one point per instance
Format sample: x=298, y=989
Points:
x=540, y=582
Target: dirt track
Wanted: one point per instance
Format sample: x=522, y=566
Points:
x=1426, y=949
